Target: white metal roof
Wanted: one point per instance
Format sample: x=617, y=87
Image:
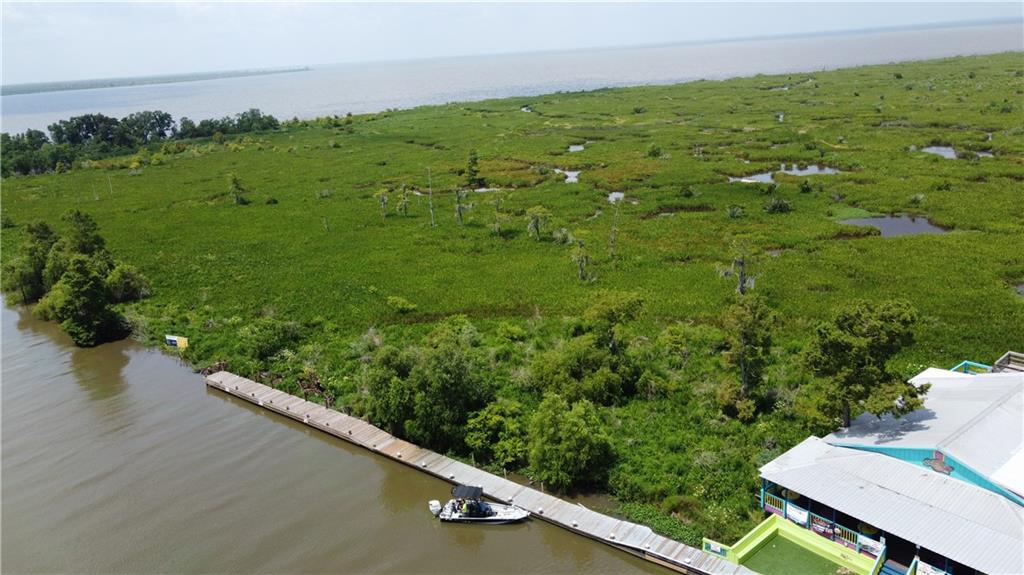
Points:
x=956, y=519
x=978, y=419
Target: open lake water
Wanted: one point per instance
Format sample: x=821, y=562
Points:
x=339, y=89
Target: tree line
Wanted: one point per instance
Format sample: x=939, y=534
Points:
x=95, y=136
x=74, y=279
x=555, y=420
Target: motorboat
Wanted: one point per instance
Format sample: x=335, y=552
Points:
x=467, y=506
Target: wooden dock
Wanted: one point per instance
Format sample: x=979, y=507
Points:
x=636, y=539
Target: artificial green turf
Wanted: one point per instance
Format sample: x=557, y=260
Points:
x=780, y=556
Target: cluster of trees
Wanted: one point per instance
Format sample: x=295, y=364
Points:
x=426, y=393
x=94, y=136
x=251, y=120
x=441, y=394
x=74, y=279
x=849, y=355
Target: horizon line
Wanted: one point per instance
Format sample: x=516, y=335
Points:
x=725, y=40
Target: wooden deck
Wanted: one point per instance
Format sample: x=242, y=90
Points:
x=1011, y=361
x=636, y=539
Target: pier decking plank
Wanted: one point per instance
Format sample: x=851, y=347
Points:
x=635, y=538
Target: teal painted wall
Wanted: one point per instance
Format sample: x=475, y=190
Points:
x=917, y=455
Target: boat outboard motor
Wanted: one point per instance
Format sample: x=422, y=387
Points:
x=435, y=507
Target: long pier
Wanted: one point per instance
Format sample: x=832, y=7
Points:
x=636, y=539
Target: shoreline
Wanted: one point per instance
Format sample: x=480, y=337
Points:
x=368, y=88
x=637, y=539
x=29, y=88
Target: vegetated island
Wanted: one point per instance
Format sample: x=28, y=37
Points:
x=39, y=87
x=647, y=292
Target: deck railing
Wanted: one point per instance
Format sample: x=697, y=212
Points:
x=823, y=526
x=879, y=562
x=848, y=536
x=971, y=367
x=1011, y=361
x=831, y=530
x=776, y=502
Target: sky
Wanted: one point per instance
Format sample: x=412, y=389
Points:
x=69, y=41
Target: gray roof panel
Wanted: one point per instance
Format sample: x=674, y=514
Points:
x=957, y=519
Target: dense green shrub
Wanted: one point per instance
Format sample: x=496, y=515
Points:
x=777, y=205
x=426, y=393
x=497, y=434
x=23, y=275
x=79, y=303
x=266, y=336
x=126, y=283
x=569, y=446
x=400, y=304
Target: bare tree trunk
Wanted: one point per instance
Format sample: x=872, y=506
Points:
x=430, y=199
x=613, y=238
x=742, y=275
x=744, y=383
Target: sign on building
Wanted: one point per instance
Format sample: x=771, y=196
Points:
x=870, y=545
x=796, y=515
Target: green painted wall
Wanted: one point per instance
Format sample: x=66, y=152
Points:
x=777, y=526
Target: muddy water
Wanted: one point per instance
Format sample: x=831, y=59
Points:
x=119, y=459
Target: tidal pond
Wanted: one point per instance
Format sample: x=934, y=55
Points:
x=892, y=226
x=570, y=176
x=944, y=151
x=792, y=169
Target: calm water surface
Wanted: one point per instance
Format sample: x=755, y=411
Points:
x=119, y=459
x=892, y=226
x=339, y=89
x=944, y=151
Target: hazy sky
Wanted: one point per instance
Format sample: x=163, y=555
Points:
x=63, y=41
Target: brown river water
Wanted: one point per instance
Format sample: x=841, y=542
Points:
x=119, y=459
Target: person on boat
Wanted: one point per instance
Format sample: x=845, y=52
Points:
x=465, y=508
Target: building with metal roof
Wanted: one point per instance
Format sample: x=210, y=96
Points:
x=952, y=518
x=973, y=424
x=940, y=490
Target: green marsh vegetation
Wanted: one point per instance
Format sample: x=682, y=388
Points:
x=542, y=328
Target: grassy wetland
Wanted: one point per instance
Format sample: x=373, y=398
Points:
x=330, y=263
